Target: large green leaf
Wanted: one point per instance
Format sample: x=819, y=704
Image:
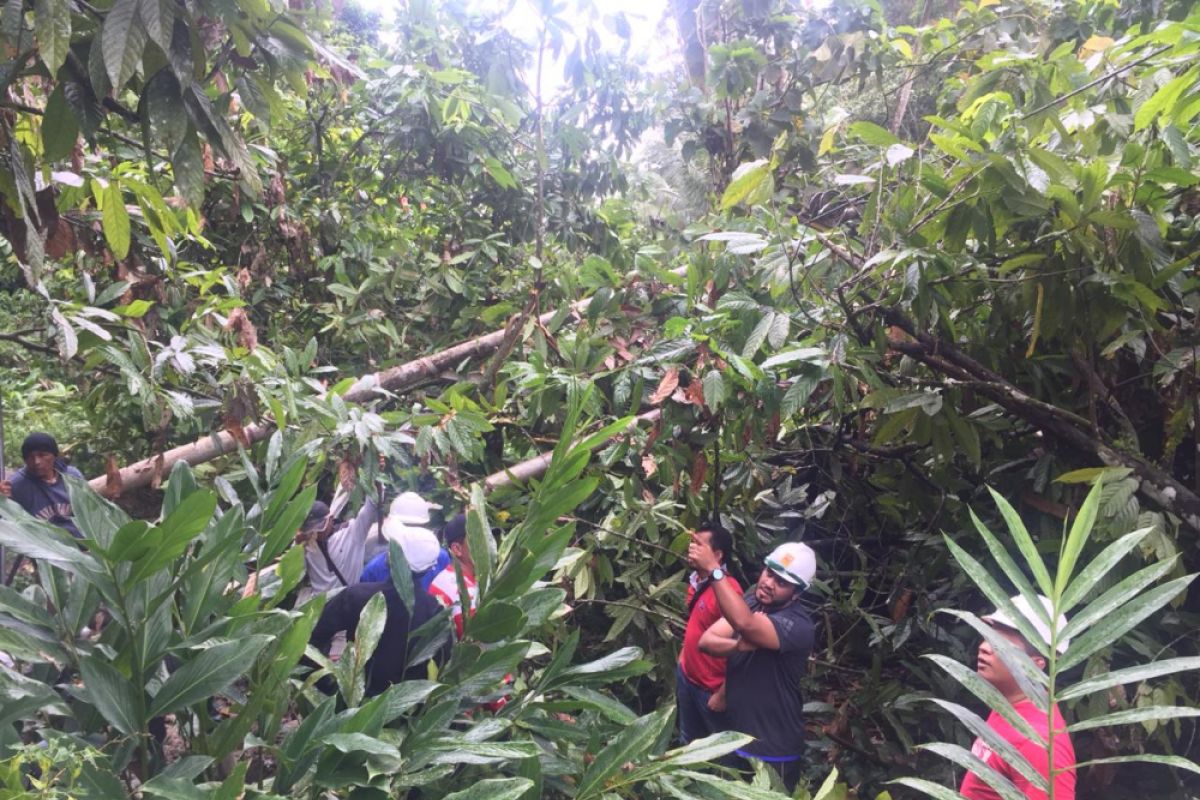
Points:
x=60, y=128
x=123, y=38
x=969, y=761
x=632, y=744
x=207, y=674
x=493, y=789
x=992, y=738
x=1122, y=620
x=710, y=748
x=1129, y=675
x=1100, y=567
x=1024, y=543
x=1134, y=715
x=751, y=182
x=930, y=788
x=1100, y=608
x=495, y=621
x=1002, y=557
x=113, y=695
x=21, y=533
x=989, y=694
x=479, y=538
x=52, y=25
x=97, y=518
x=1081, y=529
x=115, y=218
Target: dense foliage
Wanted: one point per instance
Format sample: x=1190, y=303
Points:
x=847, y=267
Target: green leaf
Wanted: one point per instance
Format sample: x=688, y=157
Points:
x=122, y=41
x=116, y=220
x=97, y=518
x=60, y=128
x=714, y=389
x=495, y=621
x=1115, y=597
x=969, y=761
x=159, y=18
x=1081, y=529
x=758, y=335
x=401, y=573
x=632, y=744
x=989, y=694
x=1135, y=715
x=930, y=788
x=52, y=26
x=1121, y=620
x=1163, y=101
x=479, y=538
x=187, y=166
x=493, y=789
x=1100, y=567
x=1024, y=543
x=1123, y=677
x=1002, y=557
x=710, y=748
x=1169, y=761
x=112, y=694
x=750, y=181
x=210, y=672
x=872, y=134
x=1030, y=679
x=999, y=745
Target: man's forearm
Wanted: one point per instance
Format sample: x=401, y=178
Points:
x=733, y=605
x=719, y=646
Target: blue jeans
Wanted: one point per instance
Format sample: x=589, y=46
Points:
x=695, y=718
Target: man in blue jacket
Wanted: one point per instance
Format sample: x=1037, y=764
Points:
x=38, y=487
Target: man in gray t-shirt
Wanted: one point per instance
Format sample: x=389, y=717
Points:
x=38, y=487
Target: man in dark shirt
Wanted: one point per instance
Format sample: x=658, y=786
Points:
x=389, y=663
x=766, y=637
x=38, y=487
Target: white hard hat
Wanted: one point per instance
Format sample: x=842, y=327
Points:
x=411, y=508
x=420, y=546
x=795, y=562
x=999, y=617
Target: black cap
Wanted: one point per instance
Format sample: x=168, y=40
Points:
x=316, y=516
x=39, y=443
x=455, y=530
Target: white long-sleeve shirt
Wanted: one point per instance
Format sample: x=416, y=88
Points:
x=346, y=548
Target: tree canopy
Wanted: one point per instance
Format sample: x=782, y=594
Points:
x=884, y=277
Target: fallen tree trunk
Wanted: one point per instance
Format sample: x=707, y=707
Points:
x=537, y=466
x=365, y=389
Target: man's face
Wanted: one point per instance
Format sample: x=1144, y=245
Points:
x=460, y=551
x=41, y=464
x=772, y=590
x=992, y=669
x=705, y=537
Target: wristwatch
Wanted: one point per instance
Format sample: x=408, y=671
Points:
x=717, y=574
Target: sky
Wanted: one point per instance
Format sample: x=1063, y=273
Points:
x=650, y=37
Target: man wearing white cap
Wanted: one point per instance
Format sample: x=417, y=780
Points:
x=406, y=526
x=992, y=669
x=766, y=637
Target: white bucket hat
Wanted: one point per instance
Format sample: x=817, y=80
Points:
x=420, y=546
x=411, y=508
x=999, y=617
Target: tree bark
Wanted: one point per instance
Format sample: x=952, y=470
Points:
x=1155, y=484
x=537, y=466
x=364, y=390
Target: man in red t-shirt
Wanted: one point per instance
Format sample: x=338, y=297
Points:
x=444, y=587
x=996, y=672
x=700, y=678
